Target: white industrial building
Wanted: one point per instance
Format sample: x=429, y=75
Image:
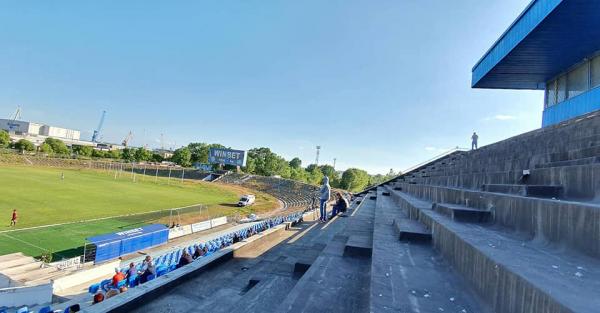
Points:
x=37, y=133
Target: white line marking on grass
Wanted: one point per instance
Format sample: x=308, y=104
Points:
x=95, y=219
x=25, y=242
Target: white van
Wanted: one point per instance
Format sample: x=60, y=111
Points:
x=246, y=200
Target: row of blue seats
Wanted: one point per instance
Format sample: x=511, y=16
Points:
x=46, y=309
x=168, y=262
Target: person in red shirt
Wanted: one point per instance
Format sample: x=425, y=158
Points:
x=13, y=220
x=118, y=277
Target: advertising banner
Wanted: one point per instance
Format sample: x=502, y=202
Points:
x=227, y=157
x=200, y=226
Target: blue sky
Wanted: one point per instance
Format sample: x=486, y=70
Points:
x=378, y=84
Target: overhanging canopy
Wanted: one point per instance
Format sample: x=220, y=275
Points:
x=549, y=37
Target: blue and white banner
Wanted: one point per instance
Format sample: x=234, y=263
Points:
x=227, y=156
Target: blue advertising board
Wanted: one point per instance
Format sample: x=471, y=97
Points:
x=110, y=246
x=207, y=167
x=227, y=156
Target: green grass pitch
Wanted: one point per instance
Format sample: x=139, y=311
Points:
x=43, y=198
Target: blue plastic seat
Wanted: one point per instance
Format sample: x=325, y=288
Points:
x=23, y=310
x=105, y=284
x=93, y=289
x=121, y=283
x=150, y=277
x=161, y=270
x=45, y=309
x=133, y=281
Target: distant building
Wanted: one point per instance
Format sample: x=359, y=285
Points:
x=164, y=153
x=37, y=132
x=30, y=128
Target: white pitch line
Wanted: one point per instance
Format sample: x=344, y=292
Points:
x=95, y=219
x=25, y=242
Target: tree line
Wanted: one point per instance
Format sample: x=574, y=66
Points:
x=263, y=161
x=260, y=161
x=56, y=147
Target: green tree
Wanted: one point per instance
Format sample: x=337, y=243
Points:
x=100, y=154
x=263, y=161
x=4, y=139
x=156, y=158
x=299, y=174
x=57, y=145
x=128, y=154
x=45, y=148
x=24, y=145
x=296, y=163
x=379, y=178
x=315, y=176
x=330, y=172
x=354, y=179
x=85, y=151
x=142, y=154
x=114, y=154
x=182, y=156
x=200, y=151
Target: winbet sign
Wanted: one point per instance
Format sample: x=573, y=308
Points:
x=227, y=156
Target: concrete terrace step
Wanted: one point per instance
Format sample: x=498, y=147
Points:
x=411, y=230
x=463, y=213
x=16, y=261
x=262, y=296
x=335, y=283
x=11, y=256
x=513, y=274
x=412, y=278
x=540, y=191
x=358, y=246
x=572, y=162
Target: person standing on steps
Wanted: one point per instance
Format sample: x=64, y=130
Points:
x=324, y=197
x=474, y=141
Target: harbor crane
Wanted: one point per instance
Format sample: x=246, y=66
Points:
x=96, y=135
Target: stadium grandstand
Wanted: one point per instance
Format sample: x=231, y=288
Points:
x=513, y=226
x=293, y=194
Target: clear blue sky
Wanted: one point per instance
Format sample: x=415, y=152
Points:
x=378, y=84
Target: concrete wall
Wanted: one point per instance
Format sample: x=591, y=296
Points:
x=30, y=296
x=84, y=275
x=574, y=224
x=504, y=290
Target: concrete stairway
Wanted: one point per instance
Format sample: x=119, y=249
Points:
x=412, y=277
x=337, y=281
x=512, y=273
x=542, y=191
x=463, y=213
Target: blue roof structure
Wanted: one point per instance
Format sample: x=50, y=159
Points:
x=110, y=246
x=136, y=232
x=548, y=38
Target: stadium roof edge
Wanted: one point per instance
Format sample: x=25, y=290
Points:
x=503, y=35
x=520, y=59
x=547, y=39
